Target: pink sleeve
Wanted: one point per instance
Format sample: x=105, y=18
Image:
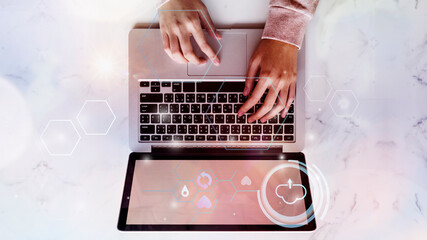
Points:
x=287, y=20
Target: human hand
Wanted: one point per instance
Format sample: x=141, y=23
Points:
x=177, y=27
x=276, y=61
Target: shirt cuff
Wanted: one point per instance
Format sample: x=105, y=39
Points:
x=286, y=25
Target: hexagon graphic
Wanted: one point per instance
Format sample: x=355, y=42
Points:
x=344, y=103
x=245, y=148
x=317, y=88
x=153, y=21
x=185, y=191
x=204, y=202
x=96, y=117
x=205, y=180
x=60, y=137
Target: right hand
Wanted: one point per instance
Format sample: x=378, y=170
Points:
x=177, y=27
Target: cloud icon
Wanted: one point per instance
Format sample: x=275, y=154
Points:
x=290, y=185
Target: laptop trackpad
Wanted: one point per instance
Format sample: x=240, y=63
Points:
x=232, y=56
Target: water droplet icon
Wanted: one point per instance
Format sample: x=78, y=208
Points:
x=184, y=191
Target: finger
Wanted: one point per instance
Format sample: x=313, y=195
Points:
x=266, y=106
x=187, y=49
x=276, y=109
x=255, y=96
x=166, y=45
x=176, y=50
x=208, y=23
x=250, y=76
x=199, y=36
x=290, y=99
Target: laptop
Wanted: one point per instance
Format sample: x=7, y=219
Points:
x=195, y=165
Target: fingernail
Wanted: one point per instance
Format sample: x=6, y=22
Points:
x=262, y=120
x=218, y=35
x=240, y=114
x=216, y=61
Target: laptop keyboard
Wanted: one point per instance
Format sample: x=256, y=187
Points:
x=205, y=112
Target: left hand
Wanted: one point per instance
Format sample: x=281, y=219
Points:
x=276, y=63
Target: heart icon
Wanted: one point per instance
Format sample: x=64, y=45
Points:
x=246, y=181
x=204, y=202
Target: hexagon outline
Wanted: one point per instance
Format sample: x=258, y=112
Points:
x=355, y=108
x=197, y=212
x=96, y=134
x=216, y=180
x=173, y=190
x=244, y=148
x=327, y=81
x=152, y=22
x=60, y=154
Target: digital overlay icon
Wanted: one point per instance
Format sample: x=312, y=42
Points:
x=290, y=185
x=245, y=181
x=204, y=175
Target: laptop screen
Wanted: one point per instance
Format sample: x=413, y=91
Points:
x=218, y=192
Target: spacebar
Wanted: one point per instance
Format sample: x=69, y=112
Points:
x=216, y=87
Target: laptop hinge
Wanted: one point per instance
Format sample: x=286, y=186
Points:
x=217, y=149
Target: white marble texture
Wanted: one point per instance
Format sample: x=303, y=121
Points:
x=54, y=55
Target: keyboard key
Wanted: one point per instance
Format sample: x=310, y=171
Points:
x=267, y=129
x=144, y=137
x=233, y=138
x=255, y=138
x=211, y=98
x=155, y=89
x=174, y=108
x=266, y=137
x=178, y=138
x=148, y=108
x=168, y=97
x=185, y=108
x=206, y=108
x=144, y=118
x=237, y=107
x=190, y=97
x=189, y=87
x=187, y=118
x=167, y=138
x=256, y=129
x=201, y=98
x=216, y=108
x=288, y=138
x=176, y=87
x=244, y=137
x=219, y=118
x=251, y=110
x=289, y=129
x=273, y=120
x=160, y=129
x=291, y=109
x=216, y=86
x=151, y=97
x=171, y=129
x=189, y=138
x=155, y=118
x=230, y=118
x=179, y=97
x=211, y=138
x=227, y=108
x=235, y=129
x=147, y=129
x=213, y=129
x=242, y=98
x=225, y=129
x=278, y=138
x=163, y=108
x=222, y=98
x=144, y=84
x=278, y=129
x=156, y=138
x=222, y=137
x=241, y=119
x=166, y=84
x=176, y=118
x=198, y=118
x=203, y=129
x=195, y=108
x=192, y=129
x=200, y=138
x=246, y=129
x=166, y=118
x=232, y=98
x=182, y=129
x=155, y=84
x=289, y=118
x=209, y=118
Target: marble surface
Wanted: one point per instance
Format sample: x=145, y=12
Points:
x=55, y=55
